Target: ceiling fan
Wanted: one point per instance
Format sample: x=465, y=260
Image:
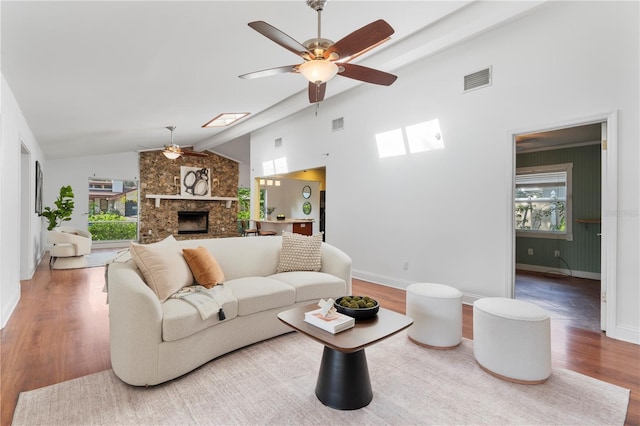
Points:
x=323, y=58
x=173, y=151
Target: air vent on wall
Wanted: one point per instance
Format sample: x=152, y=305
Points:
x=477, y=79
x=337, y=124
x=278, y=142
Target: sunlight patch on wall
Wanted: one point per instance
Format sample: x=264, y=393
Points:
x=424, y=136
x=277, y=166
x=390, y=144
x=281, y=165
x=417, y=138
x=268, y=168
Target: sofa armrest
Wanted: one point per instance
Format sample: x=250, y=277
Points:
x=135, y=322
x=336, y=262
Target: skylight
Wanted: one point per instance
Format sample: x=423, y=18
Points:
x=225, y=119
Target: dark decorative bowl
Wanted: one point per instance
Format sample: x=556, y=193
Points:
x=357, y=313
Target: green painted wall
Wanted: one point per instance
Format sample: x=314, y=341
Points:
x=583, y=253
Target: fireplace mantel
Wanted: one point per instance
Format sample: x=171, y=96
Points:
x=159, y=197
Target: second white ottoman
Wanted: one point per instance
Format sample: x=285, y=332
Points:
x=436, y=310
x=512, y=339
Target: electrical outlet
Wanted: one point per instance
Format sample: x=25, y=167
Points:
x=405, y=265
x=556, y=253
x=530, y=252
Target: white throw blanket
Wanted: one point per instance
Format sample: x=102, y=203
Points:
x=208, y=301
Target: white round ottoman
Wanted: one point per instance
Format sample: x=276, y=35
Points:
x=512, y=339
x=436, y=310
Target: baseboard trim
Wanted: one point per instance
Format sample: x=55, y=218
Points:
x=381, y=279
x=467, y=298
x=624, y=333
x=543, y=269
x=8, y=311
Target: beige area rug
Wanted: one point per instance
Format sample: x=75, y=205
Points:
x=273, y=382
x=90, y=260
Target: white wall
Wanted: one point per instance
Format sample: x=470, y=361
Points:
x=448, y=212
x=16, y=135
x=76, y=172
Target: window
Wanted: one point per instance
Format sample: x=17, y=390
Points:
x=113, y=209
x=543, y=201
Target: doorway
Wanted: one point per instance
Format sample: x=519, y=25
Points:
x=568, y=274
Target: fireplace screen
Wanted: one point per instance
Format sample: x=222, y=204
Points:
x=193, y=222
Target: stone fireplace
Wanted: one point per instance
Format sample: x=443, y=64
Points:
x=193, y=222
x=161, y=218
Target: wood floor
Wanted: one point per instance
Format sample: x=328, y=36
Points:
x=570, y=301
x=59, y=331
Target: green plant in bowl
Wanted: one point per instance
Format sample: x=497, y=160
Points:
x=359, y=307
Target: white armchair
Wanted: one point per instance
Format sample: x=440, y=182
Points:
x=68, y=242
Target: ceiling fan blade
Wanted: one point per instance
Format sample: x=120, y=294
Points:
x=316, y=92
x=368, y=75
x=270, y=72
x=277, y=36
x=361, y=39
x=194, y=153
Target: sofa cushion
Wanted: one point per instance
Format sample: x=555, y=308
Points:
x=163, y=266
x=300, y=252
x=181, y=319
x=204, y=266
x=257, y=294
x=313, y=285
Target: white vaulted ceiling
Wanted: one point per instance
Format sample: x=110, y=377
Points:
x=97, y=77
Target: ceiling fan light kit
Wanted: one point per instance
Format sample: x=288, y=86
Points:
x=318, y=71
x=324, y=59
x=173, y=151
x=171, y=154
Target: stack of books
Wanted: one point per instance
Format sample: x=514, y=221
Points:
x=334, y=323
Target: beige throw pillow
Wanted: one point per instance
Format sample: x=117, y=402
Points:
x=204, y=266
x=300, y=252
x=163, y=266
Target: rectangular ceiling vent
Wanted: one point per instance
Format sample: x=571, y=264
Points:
x=477, y=79
x=278, y=143
x=337, y=124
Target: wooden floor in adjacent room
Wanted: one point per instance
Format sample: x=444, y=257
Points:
x=60, y=331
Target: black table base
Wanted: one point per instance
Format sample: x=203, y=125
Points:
x=343, y=380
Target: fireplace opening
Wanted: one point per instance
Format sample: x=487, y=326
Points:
x=193, y=222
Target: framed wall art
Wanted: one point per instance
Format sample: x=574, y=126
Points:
x=194, y=182
x=39, y=181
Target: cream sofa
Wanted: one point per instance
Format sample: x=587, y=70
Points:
x=152, y=341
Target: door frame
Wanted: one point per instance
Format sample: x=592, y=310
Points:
x=26, y=213
x=609, y=207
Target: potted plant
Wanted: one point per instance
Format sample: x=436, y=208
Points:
x=269, y=211
x=64, y=208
